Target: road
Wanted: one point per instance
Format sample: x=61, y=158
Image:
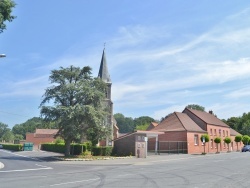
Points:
x=34, y=169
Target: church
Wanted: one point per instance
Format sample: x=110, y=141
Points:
x=109, y=120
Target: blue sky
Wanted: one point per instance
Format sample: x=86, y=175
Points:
x=162, y=55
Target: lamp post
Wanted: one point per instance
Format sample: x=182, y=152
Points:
x=2, y=55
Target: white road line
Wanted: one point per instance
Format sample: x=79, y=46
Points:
x=24, y=170
x=72, y=182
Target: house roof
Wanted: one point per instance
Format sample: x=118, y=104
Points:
x=234, y=132
x=207, y=117
x=178, y=122
x=151, y=126
x=46, y=131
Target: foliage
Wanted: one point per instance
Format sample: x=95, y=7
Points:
x=238, y=138
x=125, y=124
x=3, y=129
x=29, y=126
x=217, y=140
x=227, y=140
x=142, y=127
x=75, y=149
x=78, y=102
x=196, y=107
x=59, y=141
x=240, y=124
x=8, y=136
x=128, y=124
x=245, y=139
x=206, y=136
x=13, y=147
x=95, y=134
x=6, y=7
x=102, y=151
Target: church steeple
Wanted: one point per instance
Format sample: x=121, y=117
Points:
x=103, y=71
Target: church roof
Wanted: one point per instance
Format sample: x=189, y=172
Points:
x=103, y=71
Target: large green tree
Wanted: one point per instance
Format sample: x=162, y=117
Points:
x=3, y=129
x=29, y=126
x=6, y=7
x=75, y=102
x=125, y=124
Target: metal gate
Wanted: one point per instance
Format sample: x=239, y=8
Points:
x=172, y=147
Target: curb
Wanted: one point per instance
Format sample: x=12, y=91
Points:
x=1, y=165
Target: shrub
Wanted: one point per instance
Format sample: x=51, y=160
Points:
x=102, y=151
x=75, y=149
x=13, y=147
x=206, y=136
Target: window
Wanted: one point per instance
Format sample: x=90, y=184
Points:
x=220, y=132
x=211, y=131
x=212, y=143
x=227, y=133
x=215, y=133
x=196, y=140
x=223, y=133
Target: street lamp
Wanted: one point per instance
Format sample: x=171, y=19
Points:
x=2, y=55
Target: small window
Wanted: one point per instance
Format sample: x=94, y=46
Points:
x=227, y=133
x=211, y=131
x=196, y=140
x=215, y=133
x=224, y=133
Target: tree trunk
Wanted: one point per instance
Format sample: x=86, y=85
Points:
x=237, y=146
x=67, y=148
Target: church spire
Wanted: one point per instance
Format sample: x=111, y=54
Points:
x=103, y=71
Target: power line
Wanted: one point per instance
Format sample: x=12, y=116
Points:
x=12, y=114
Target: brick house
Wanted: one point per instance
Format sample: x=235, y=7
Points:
x=184, y=130
x=41, y=136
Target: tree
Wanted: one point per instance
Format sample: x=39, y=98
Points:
x=206, y=139
x=29, y=126
x=8, y=136
x=6, y=7
x=217, y=140
x=227, y=140
x=142, y=123
x=125, y=124
x=245, y=139
x=196, y=107
x=238, y=139
x=77, y=103
x=3, y=129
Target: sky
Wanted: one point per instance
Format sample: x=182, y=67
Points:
x=162, y=55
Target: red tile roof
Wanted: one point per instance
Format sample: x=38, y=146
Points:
x=207, y=117
x=46, y=131
x=233, y=132
x=178, y=122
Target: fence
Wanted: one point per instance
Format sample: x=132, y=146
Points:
x=170, y=147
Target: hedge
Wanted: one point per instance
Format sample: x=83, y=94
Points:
x=102, y=151
x=13, y=147
x=75, y=149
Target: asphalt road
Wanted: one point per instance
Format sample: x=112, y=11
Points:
x=39, y=169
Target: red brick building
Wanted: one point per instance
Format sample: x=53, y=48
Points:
x=183, y=131
x=41, y=136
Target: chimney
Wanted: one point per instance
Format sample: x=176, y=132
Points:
x=211, y=112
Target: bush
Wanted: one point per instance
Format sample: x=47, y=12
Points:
x=58, y=148
x=13, y=147
x=75, y=149
x=102, y=151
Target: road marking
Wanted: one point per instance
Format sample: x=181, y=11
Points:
x=23, y=156
x=72, y=182
x=24, y=170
